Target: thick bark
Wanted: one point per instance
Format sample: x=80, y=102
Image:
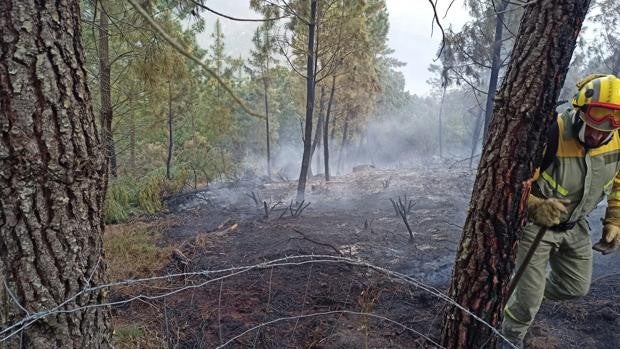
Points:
x=524, y=110
x=495, y=64
x=303, y=175
x=52, y=178
x=106, y=91
x=170, y=138
x=326, y=126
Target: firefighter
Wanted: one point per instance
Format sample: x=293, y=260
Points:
x=579, y=169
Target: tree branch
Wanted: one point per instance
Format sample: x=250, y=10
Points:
x=443, y=34
x=185, y=53
x=203, y=6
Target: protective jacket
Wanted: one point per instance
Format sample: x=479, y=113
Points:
x=583, y=176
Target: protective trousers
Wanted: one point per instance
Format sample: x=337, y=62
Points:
x=569, y=257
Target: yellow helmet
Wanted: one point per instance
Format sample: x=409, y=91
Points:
x=599, y=100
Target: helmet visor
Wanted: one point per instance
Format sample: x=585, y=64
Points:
x=602, y=118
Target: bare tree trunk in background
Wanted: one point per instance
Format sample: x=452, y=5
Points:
x=266, y=89
x=443, y=96
x=195, y=143
x=319, y=130
x=317, y=140
x=326, y=126
x=343, y=144
x=495, y=64
x=224, y=172
x=132, y=135
x=303, y=175
x=524, y=110
x=319, y=148
x=169, y=158
x=475, y=136
x=105, y=90
x=52, y=179
x=333, y=133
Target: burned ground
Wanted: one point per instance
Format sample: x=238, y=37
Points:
x=318, y=302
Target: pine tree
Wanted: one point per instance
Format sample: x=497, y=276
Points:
x=522, y=115
x=52, y=179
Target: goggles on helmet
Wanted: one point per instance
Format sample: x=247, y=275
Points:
x=603, y=116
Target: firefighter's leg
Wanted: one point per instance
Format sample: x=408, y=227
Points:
x=528, y=294
x=571, y=265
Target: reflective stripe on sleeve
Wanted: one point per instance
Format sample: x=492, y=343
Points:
x=614, y=195
x=554, y=184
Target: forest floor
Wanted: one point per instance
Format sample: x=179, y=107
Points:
x=319, y=301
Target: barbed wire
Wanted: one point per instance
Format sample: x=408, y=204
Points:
x=331, y=312
x=287, y=261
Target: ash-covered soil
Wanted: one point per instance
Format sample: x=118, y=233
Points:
x=333, y=304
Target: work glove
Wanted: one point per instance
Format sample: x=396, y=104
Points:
x=610, y=242
x=546, y=212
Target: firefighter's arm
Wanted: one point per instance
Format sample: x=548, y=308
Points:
x=546, y=212
x=613, y=202
x=610, y=241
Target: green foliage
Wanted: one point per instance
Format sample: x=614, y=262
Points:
x=211, y=138
x=129, y=333
x=152, y=189
x=127, y=196
x=150, y=192
x=118, y=201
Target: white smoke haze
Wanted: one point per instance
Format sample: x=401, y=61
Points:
x=404, y=138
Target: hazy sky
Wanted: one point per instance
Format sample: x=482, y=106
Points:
x=409, y=35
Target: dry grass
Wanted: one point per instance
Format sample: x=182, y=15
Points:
x=134, y=335
x=133, y=250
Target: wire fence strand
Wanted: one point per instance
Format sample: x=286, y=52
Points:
x=216, y=276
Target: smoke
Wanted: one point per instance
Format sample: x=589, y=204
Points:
x=400, y=137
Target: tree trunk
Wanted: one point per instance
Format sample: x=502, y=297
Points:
x=169, y=158
x=265, y=88
x=443, y=96
x=495, y=64
x=132, y=135
x=343, y=144
x=195, y=145
x=303, y=175
x=106, y=91
x=52, y=179
x=475, y=136
x=319, y=130
x=524, y=110
x=326, y=126
x=333, y=133
x=318, y=146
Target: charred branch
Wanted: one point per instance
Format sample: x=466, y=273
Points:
x=403, y=207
